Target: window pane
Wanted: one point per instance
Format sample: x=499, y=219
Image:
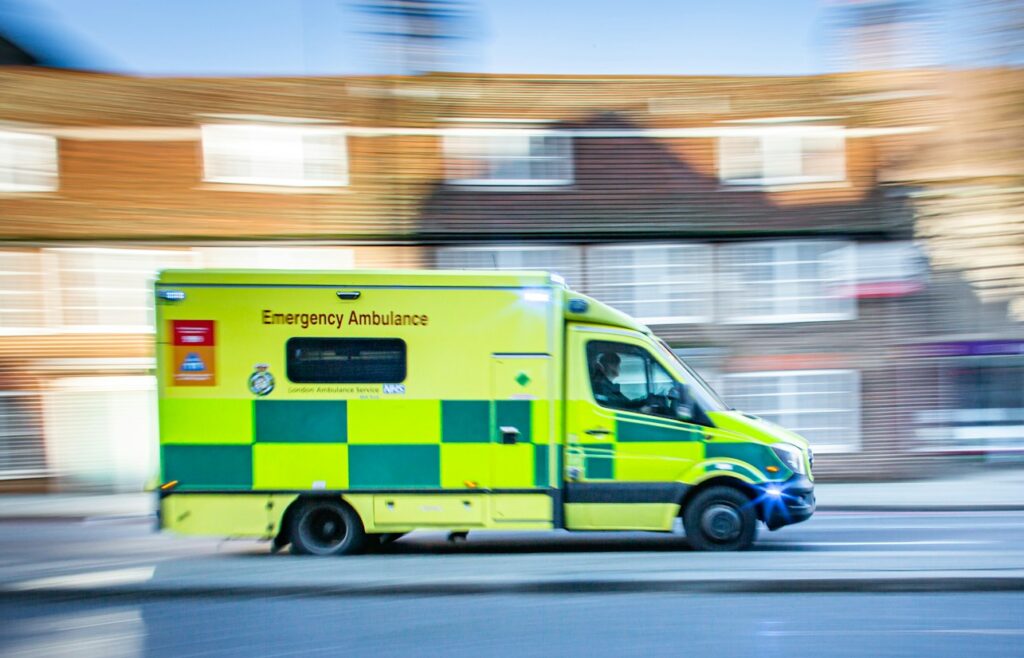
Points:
x=276, y=258
x=786, y=281
x=653, y=283
x=102, y=430
x=111, y=288
x=824, y=157
x=618, y=374
x=22, y=290
x=783, y=155
x=822, y=406
x=21, y=436
x=275, y=155
x=508, y=158
x=28, y=162
x=739, y=158
x=633, y=376
x=346, y=360
x=566, y=261
x=661, y=381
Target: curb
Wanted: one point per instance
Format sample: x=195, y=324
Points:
x=776, y=586
x=78, y=518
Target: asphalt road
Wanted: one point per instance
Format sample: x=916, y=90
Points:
x=113, y=588
x=764, y=625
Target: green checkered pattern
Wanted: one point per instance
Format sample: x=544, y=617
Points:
x=353, y=445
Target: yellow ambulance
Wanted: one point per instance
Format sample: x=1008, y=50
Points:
x=334, y=411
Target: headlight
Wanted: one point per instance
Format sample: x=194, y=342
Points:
x=791, y=456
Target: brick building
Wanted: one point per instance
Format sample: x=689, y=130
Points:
x=766, y=227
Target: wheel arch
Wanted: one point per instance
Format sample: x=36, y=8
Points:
x=744, y=487
x=283, y=536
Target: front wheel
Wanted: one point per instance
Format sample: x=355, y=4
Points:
x=720, y=519
x=326, y=527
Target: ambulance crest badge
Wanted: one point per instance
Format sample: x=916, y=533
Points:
x=261, y=381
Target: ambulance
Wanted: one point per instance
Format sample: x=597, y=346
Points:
x=336, y=411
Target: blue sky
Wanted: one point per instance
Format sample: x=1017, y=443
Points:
x=321, y=37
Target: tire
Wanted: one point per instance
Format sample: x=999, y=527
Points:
x=326, y=527
x=720, y=519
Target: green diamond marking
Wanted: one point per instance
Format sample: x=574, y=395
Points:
x=522, y=379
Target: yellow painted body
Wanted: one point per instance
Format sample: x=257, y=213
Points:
x=486, y=428
x=620, y=516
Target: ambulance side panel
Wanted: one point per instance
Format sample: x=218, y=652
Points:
x=240, y=415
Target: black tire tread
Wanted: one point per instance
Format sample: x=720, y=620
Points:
x=691, y=519
x=355, y=540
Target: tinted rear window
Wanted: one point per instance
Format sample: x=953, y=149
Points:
x=346, y=360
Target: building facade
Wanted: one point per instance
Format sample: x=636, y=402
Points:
x=768, y=228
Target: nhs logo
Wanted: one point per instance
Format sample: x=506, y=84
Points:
x=394, y=389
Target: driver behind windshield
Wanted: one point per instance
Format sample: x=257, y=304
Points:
x=602, y=377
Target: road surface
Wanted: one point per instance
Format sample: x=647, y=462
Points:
x=879, y=584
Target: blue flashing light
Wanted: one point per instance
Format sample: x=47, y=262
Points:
x=171, y=295
x=578, y=305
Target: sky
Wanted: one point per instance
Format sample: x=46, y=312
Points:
x=327, y=37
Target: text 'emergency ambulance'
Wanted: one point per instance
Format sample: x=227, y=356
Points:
x=371, y=319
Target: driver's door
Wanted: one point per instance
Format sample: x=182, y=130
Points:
x=628, y=445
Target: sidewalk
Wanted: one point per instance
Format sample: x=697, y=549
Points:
x=76, y=506
x=998, y=489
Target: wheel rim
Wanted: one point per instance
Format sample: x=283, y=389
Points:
x=324, y=528
x=721, y=522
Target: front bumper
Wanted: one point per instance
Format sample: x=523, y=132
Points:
x=794, y=502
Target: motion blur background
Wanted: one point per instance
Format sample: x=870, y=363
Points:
x=817, y=204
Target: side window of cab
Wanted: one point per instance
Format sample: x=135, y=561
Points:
x=626, y=377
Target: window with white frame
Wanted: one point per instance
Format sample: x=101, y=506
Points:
x=566, y=261
x=508, y=157
x=78, y=289
x=782, y=156
x=23, y=291
x=654, y=283
x=111, y=289
x=28, y=162
x=785, y=281
x=277, y=258
x=102, y=430
x=22, y=454
x=888, y=269
x=275, y=154
x=823, y=406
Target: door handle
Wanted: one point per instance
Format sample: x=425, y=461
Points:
x=598, y=431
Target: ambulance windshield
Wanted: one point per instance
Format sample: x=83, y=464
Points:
x=698, y=389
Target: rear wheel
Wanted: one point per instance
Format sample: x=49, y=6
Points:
x=720, y=519
x=326, y=527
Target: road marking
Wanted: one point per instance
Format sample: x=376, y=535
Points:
x=87, y=579
x=935, y=542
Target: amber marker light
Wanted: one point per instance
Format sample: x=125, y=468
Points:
x=168, y=485
x=470, y=484
x=772, y=469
